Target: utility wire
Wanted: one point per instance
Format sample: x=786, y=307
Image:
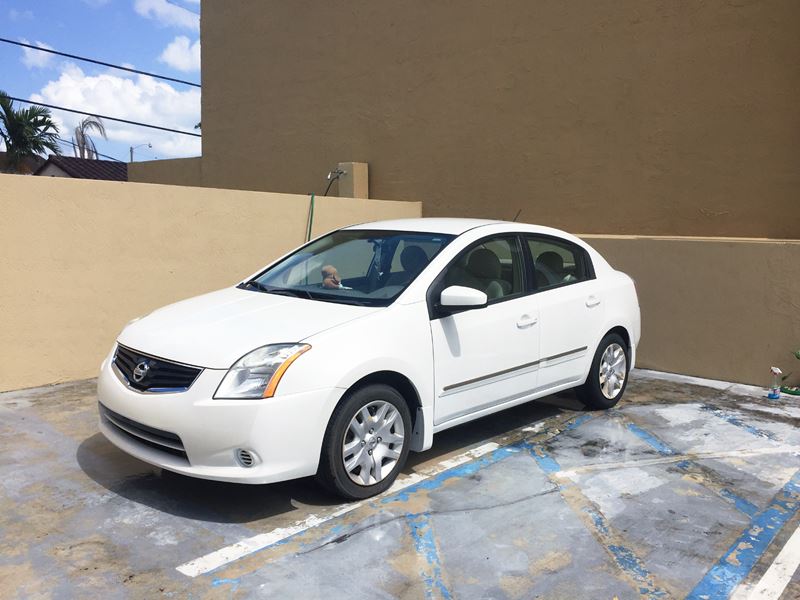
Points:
x=182, y=7
x=81, y=112
x=98, y=62
x=74, y=145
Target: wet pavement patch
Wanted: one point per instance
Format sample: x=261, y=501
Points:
x=680, y=491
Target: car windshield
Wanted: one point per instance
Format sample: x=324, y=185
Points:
x=352, y=266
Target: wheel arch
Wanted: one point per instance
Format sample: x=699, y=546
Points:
x=406, y=389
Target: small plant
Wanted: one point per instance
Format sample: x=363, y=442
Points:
x=791, y=389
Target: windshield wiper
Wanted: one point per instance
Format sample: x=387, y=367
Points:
x=288, y=292
x=255, y=284
x=274, y=290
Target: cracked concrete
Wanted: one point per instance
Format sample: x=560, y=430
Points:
x=642, y=501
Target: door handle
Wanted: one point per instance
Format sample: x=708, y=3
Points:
x=592, y=301
x=526, y=321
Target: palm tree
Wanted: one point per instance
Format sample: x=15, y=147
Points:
x=26, y=132
x=84, y=145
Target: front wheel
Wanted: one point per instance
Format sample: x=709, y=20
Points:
x=608, y=375
x=366, y=443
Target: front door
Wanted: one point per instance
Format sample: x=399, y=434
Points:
x=486, y=356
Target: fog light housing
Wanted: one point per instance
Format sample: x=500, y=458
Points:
x=245, y=458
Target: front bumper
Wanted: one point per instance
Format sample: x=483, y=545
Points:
x=284, y=433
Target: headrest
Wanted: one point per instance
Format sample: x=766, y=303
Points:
x=483, y=263
x=552, y=260
x=413, y=259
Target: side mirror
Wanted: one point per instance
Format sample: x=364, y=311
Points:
x=457, y=297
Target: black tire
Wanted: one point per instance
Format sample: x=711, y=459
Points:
x=331, y=472
x=591, y=392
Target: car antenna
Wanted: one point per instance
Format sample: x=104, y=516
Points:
x=516, y=216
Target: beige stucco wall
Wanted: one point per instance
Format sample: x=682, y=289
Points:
x=173, y=171
x=604, y=116
x=79, y=259
x=719, y=308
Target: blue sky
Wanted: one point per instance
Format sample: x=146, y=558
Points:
x=158, y=36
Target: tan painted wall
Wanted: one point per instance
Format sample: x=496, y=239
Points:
x=79, y=259
x=719, y=308
x=605, y=116
x=173, y=171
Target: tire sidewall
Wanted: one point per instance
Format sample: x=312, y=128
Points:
x=332, y=465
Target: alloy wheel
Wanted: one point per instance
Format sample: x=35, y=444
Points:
x=613, y=370
x=373, y=443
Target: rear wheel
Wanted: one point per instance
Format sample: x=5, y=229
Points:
x=608, y=375
x=366, y=443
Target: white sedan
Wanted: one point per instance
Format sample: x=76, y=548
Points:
x=356, y=348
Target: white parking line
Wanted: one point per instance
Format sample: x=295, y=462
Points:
x=228, y=554
x=777, y=577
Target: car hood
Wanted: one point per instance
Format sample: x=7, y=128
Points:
x=216, y=329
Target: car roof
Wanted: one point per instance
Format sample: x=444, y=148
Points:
x=455, y=226
x=428, y=225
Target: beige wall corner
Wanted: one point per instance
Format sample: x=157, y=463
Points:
x=717, y=308
x=354, y=183
x=174, y=171
x=80, y=258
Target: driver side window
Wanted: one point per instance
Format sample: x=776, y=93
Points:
x=494, y=267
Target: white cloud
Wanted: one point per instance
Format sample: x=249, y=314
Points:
x=33, y=59
x=168, y=14
x=141, y=99
x=181, y=54
x=20, y=15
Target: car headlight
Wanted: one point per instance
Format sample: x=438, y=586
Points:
x=257, y=374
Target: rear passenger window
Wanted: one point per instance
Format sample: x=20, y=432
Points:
x=557, y=263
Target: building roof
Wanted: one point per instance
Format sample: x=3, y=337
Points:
x=84, y=168
x=29, y=163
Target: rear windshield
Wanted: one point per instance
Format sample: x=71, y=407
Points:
x=353, y=266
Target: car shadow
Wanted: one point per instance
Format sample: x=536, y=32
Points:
x=222, y=502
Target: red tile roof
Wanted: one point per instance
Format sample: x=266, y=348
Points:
x=84, y=168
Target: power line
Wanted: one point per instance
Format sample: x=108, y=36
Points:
x=98, y=62
x=183, y=7
x=74, y=145
x=81, y=112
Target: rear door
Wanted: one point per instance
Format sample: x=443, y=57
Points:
x=571, y=308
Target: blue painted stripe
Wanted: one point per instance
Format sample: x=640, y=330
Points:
x=651, y=440
x=546, y=463
x=743, y=505
x=234, y=583
x=577, y=422
x=425, y=544
x=741, y=557
x=734, y=420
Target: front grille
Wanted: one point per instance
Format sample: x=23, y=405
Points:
x=151, y=374
x=164, y=441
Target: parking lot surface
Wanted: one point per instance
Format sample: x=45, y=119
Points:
x=681, y=491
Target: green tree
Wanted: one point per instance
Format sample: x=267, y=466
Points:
x=26, y=132
x=84, y=145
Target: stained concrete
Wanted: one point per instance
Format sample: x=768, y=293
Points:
x=640, y=501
